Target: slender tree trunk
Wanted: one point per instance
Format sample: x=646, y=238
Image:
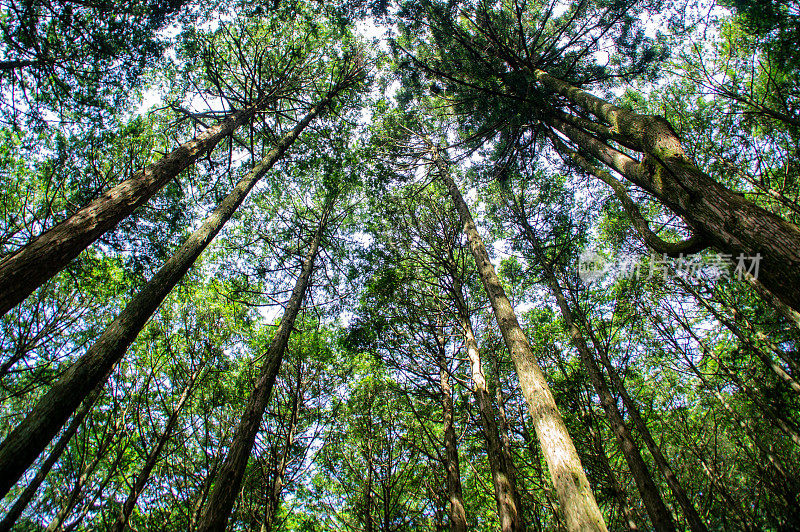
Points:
x=656, y=509
x=731, y=223
x=279, y=473
x=86, y=472
x=566, y=472
x=651, y=496
x=720, y=483
x=39, y=260
x=154, y=455
x=368, y=499
x=776, y=368
x=620, y=494
x=31, y=436
x=205, y=488
x=226, y=486
x=111, y=472
x=505, y=489
x=696, y=523
x=758, y=396
x=784, y=483
x=58, y=449
x=505, y=441
x=458, y=515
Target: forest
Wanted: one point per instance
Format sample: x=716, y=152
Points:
x=383, y=266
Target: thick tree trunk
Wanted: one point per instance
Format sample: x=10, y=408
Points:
x=39, y=260
x=651, y=496
x=458, y=515
x=731, y=223
x=152, y=458
x=566, y=472
x=505, y=489
x=31, y=436
x=226, y=486
x=58, y=449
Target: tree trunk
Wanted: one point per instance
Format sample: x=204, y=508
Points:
x=39, y=260
x=731, y=223
x=720, y=483
x=279, y=474
x=656, y=509
x=29, y=438
x=86, y=472
x=505, y=489
x=226, y=486
x=696, y=524
x=620, y=494
x=458, y=516
x=58, y=449
x=205, y=487
x=368, y=499
x=152, y=458
x=111, y=473
x=566, y=472
x=505, y=441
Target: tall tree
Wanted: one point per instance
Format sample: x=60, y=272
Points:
x=566, y=472
x=229, y=477
x=24, y=444
x=266, y=85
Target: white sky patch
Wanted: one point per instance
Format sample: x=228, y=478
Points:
x=370, y=31
x=560, y=9
x=270, y=313
x=364, y=239
x=150, y=99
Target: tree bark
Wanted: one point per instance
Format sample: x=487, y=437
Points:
x=458, y=515
x=651, y=496
x=505, y=489
x=226, y=486
x=566, y=472
x=58, y=449
x=620, y=494
x=696, y=523
x=279, y=473
x=46, y=255
x=505, y=440
x=369, y=525
x=731, y=223
x=152, y=458
x=31, y=436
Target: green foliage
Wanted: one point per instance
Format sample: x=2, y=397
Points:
x=356, y=415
